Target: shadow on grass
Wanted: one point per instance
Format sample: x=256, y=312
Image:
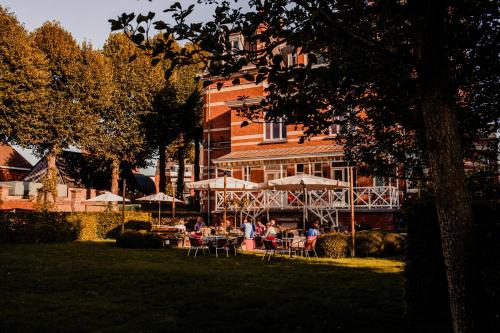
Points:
x=89, y=286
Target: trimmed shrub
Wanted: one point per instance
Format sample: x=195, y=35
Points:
x=139, y=239
x=394, y=244
x=334, y=245
x=369, y=244
x=36, y=228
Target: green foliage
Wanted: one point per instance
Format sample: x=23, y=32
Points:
x=394, y=244
x=36, y=228
x=46, y=195
x=334, y=245
x=108, y=224
x=369, y=244
x=24, y=78
x=139, y=239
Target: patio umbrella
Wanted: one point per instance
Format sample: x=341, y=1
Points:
x=224, y=183
x=159, y=197
x=217, y=184
x=107, y=197
x=306, y=182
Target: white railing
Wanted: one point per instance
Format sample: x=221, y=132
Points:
x=383, y=197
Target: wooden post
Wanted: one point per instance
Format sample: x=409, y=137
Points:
x=351, y=199
x=124, y=191
x=173, y=201
x=224, y=202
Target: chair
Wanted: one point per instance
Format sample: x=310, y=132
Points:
x=221, y=244
x=236, y=243
x=310, y=246
x=272, y=248
x=196, y=244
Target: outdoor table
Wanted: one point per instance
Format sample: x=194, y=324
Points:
x=287, y=243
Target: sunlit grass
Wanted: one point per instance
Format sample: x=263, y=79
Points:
x=80, y=287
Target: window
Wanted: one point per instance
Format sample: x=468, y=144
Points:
x=317, y=170
x=339, y=174
x=275, y=131
x=378, y=182
x=299, y=169
x=335, y=127
x=247, y=174
x=236, y=43
x=293, y=59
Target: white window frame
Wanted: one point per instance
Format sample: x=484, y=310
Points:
x=247, y=173
x=342, y=169
x=282, y=136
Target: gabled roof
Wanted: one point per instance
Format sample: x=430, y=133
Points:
x=280, y=153
x=11, y=159
x=77, y=170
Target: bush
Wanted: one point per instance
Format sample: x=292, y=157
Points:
x=139, y=239
x=394, y=244
x=36, y=228
x=369, y=244
x=334, y=245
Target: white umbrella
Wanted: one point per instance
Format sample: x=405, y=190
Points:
x=298, y=182
x=217, y=184
x=160, y=197
x=107, y=197
x=304, y=182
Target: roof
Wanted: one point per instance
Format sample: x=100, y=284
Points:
x=280, y=153
x=79, y=170
x=10, y=158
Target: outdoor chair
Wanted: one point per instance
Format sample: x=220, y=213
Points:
x=221, y=244
x=196, y=244
x=272, y=248
x=236, y=243
x=310, y=246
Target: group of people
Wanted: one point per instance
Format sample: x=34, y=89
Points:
x=255, y=230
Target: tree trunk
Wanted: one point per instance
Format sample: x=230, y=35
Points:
x=446, y=162
x=180, y=174
x=52, y=175
x=196, y=167
x=115, y=176
x=162, y=168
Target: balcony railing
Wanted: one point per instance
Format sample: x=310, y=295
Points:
x=382, y=197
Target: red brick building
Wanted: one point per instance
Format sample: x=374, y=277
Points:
x=261, y=151
x=13, y=166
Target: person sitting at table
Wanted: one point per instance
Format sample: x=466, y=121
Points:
x=312, y=235
x=199, y=224
x=247, y=228
x=271, y=230
x=260, y=228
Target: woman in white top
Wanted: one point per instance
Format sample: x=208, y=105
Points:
x=271, y=230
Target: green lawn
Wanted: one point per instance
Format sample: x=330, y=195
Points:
x=82, y=287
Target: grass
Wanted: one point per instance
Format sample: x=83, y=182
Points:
x=97, y=287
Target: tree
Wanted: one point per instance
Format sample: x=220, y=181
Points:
x=24, y=78
x=406, y=77
x=175, y=121
x=120, y=136
x=63, y=120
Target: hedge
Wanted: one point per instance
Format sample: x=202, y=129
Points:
x=139, y=239
x=35, y=227
x=368, y=244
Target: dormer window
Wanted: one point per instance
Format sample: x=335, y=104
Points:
x=236, y=42
x=335, y=127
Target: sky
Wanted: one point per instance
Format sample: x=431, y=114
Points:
x=88, y=19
